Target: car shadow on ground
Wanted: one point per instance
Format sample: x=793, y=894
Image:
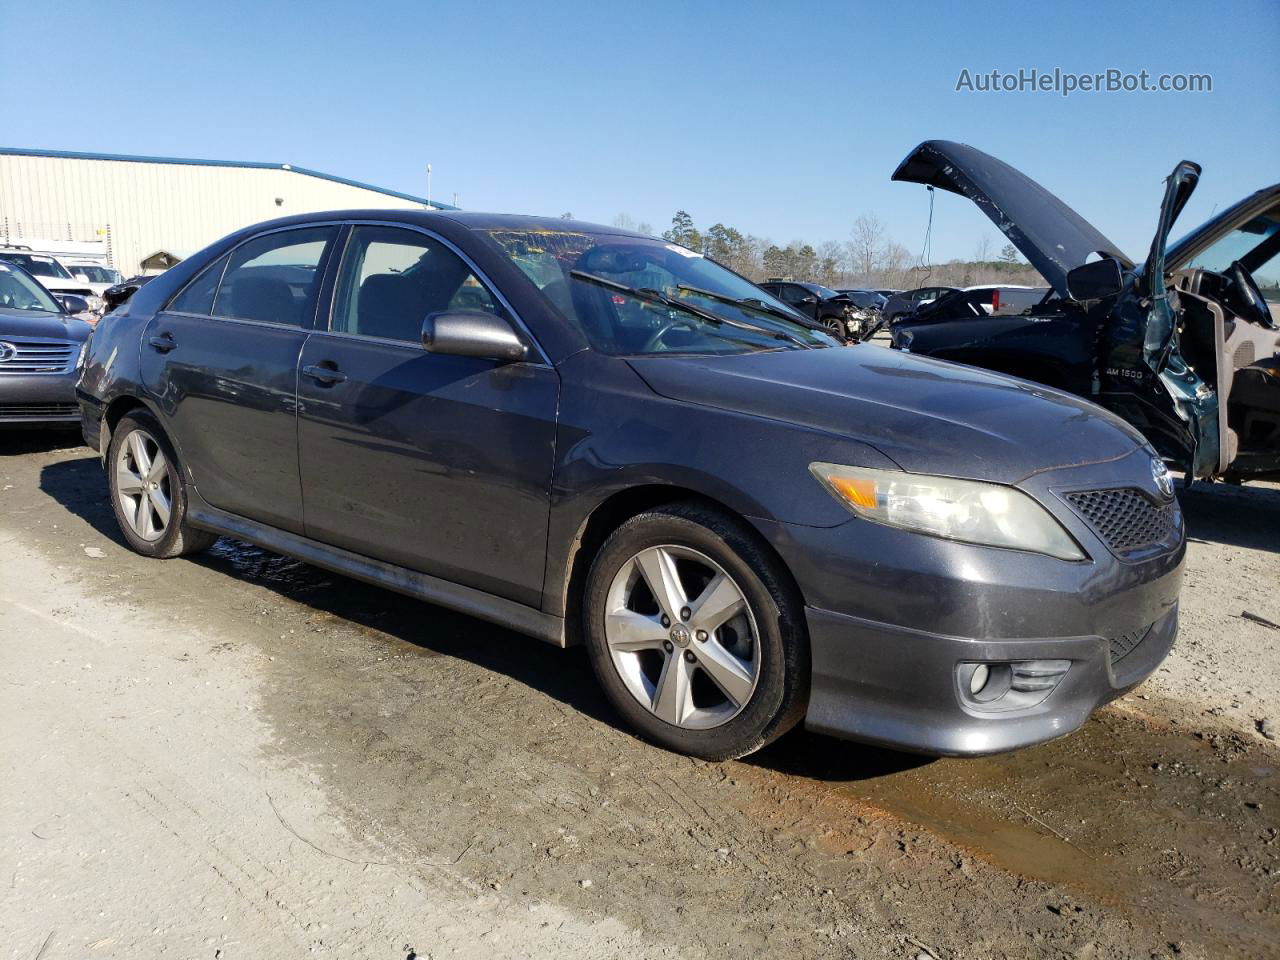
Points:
x=19, y=442
x=79, y=486
x=1247, y=516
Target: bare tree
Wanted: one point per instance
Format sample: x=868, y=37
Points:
x=624, y=222
x=982, y=253
x=865, y=246
x=831, y=260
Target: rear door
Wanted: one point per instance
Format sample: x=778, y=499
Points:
x=221, y=363
x=437, y=463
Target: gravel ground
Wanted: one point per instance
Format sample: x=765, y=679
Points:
x=241, y=756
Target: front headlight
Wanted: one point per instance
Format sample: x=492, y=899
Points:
x=95, y=304
x=967, y=510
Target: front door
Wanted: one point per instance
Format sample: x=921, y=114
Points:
x=437, y=463
x=221, y=364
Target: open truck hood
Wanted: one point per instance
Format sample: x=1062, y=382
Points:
x=1052, y=236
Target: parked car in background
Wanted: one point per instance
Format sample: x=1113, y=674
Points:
x=982, y=301
x=115, y=295
x=906, y=301
x=52, y=275
x=1183, y=345
x=41, y=343
x=832, y=309
x=591, y=435
x=98, y=276
x=864, y=299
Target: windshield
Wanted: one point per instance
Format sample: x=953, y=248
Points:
x=20, y=292
x=97, y=274
x=606, y=285
x=37, y=265
x=1256, y=245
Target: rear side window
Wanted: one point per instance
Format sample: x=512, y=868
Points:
x=274, y=278
x=198, y=295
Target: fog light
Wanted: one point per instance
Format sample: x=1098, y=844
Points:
x=1008, y=685
x=979, y=679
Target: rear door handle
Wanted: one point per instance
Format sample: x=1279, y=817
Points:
x=163, y=343
x=324, y=374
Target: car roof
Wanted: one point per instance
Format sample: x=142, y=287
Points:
x=470, y=220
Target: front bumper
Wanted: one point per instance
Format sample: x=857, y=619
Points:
x=38, y=400
x=894, y=616
x=901, y=688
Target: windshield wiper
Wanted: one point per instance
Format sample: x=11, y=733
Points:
x=656, y=296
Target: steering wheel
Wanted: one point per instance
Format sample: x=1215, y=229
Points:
x=1245, y=299
x=651, y=344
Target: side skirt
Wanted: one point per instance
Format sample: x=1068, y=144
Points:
x=468, y=600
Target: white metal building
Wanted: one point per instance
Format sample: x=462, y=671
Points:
x=143, y=206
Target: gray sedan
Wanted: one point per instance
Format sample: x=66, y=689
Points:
x=40, y=344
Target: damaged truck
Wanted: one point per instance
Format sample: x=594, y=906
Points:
x=1182, y=345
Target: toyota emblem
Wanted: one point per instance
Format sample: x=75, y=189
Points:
x=1160, y=474
x=7, y=351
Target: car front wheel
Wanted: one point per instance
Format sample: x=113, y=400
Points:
x=696, y=634
x=148, y=492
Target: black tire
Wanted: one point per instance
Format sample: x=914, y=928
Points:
x=837, y=326
x=781, y=692
x=178, y=538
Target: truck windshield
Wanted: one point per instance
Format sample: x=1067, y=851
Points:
x=37, y=265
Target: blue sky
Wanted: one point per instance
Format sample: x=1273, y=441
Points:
x=784, y=120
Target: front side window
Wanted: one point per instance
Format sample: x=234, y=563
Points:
x=631, y=295
x=274, y=278
x=392, y=279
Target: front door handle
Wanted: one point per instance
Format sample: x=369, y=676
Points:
x=324, y=373
x=163, y=343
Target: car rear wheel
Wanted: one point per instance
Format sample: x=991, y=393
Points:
x=836, y=326
x=696, y=634
x=148, y=493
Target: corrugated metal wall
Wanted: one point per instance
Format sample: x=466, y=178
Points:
x=141, y=207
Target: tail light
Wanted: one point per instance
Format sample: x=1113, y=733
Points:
x=995, y=300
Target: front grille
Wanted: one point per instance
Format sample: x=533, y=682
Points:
x=32, y=355
x=1126, y=643
x=38, y=410
x=1126, y=520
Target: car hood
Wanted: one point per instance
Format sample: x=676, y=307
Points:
x=1053, y=237
x=53, y=326
x=928, y=416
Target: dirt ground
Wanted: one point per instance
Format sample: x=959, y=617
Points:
x=239, y=756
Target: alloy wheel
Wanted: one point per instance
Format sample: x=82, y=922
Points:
x=142, y=486
x=682, y=637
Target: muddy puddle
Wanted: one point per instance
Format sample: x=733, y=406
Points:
x=1137, y=815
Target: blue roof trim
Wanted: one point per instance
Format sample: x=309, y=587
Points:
x=128, y=158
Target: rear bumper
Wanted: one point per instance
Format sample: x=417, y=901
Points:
x=903, y=688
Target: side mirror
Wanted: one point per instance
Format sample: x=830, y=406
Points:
x=472, y=333
x=809, y=300
x=1095, y=281
x=73, y=304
